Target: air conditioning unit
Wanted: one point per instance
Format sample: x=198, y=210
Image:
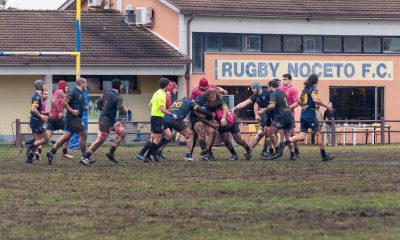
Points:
x=144, y=16
x=95, y=3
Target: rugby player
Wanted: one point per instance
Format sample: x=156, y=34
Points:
x=309, y=98
x=282, y=120
x=232, y=127
x=181, y=108
x=36, y=121
x=260, y=100
x=204, y=86
x=158, y=105
x=172, y=89
x=204, y=126
x=74, y=104
x=292, y=98
x=110, y=103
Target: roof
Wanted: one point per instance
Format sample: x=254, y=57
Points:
x=106, y=39
x=293, y=8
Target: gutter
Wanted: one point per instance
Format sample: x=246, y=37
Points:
x=189, y=65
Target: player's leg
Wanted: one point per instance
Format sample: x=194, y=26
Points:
x=228, y=144
x=119, y=129
x=211, y=135
x=235, y=131
x=200, y=129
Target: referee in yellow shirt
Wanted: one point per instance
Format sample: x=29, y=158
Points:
x=158, y=105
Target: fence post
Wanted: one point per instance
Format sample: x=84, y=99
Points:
x=382, y=130
x=333, y=131
x=18, y=132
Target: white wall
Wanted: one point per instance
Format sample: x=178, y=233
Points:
x=295, y=26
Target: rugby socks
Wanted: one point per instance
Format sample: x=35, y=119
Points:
x=152, y=150
x=323, y=153
x=39, y=150
x=30, y=157
x=113, y=149
x=292, y=154
x=145, y=148
x=203, y=144
x=232, y=150
x=271, y=150
x=163, y=142
x=247, y=147
x=265, y=147
x=87, y=155
x=296, y=151
x=65, y=150
x=286, y=142
x=53, y=151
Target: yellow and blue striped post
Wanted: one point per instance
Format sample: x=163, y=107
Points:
x=78, y=39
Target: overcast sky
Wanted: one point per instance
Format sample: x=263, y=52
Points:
x=35, y=4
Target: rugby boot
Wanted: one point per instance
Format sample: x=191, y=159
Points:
x=50, y=157
x=328, y=157
x=247, y=155
x=111, y=157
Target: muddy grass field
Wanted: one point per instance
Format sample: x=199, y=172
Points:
x=356, y=196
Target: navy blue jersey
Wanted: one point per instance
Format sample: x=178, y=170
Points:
x=76, y=101
x=282, y=109
x=36, y=102
x=307, y=103
x=261, y=99
x=181, y=108
x=202, y=102
x=110, y=101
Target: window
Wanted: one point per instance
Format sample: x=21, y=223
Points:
x=352, y=44
x=312, y=44
x=292, y=44
x=230, y=43
x=272, y=43
x=98, y=84
x=197, y=52
x=212, y=43
x=240, y=95
x=372, y=45
x=251, y=43
x=359, y=103
x=391, y=45
x=333, y=44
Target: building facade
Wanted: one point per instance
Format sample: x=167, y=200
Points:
x=353, y=47
x=110, y=49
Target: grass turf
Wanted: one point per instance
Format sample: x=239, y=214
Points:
x=356, y=196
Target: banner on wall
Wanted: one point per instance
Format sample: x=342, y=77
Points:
x=300, y=70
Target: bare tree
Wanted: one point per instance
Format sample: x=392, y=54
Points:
x=3, y=4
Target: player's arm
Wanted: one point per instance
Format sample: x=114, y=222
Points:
x=66, y=105
x=222, y=91
x=256, y=115
x=317, y=100
x=162, y=103
x=243, y=104
x=295, y=96
x=209, y=123
x=54, y=102
x=121, y=108
x=34, y=110
x=202, y=110
x=225, y=111
x=270, y=106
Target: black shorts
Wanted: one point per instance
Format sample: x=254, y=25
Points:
x=37, y=126
x=308, y=121
x=105, y=123
x=285, y=123
x=55, y=124
x=177, y=125
x=74, y=125
x=232, y=129
x=157, y=124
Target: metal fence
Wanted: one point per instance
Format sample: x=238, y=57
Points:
x=373, y=128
